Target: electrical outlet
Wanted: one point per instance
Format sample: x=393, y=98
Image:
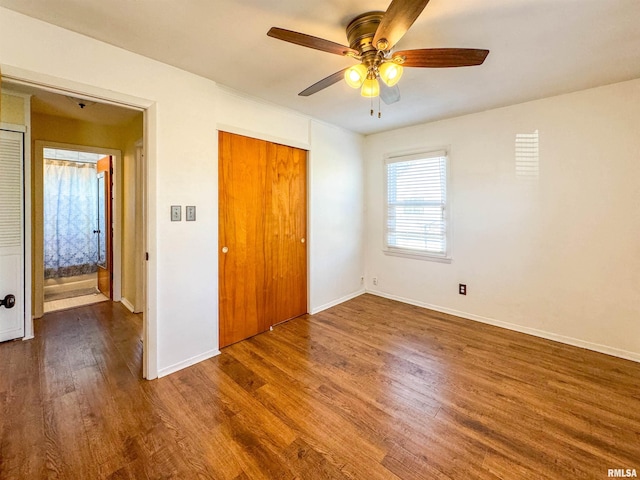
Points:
x=190, y=213
x=375, y=280
x=176, y=213
x=462, y=289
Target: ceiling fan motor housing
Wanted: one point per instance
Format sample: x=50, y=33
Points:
x=362, y=29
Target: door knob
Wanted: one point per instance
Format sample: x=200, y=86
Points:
x=9, y=301
x=225, y=249
x=302, y=240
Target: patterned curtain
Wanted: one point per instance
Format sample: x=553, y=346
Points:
x=70, y=217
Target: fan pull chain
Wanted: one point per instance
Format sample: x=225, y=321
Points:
x=379, y=110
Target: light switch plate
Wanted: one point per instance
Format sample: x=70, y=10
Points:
x=176, y=213
x=190, y=213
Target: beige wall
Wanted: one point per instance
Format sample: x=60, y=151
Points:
x=76, y=132
x=131, y=216
x=12, y=109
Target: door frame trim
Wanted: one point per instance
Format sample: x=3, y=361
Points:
x=116, y=203
x=222, y=127
x=11, y=74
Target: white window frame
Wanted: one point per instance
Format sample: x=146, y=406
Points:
x=408, y=252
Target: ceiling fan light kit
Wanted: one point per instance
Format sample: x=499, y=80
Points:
x=390, y=73
x=372, y=37
x=370, y=88
x=356, y=75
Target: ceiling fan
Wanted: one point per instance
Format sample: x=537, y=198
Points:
x=372, y=37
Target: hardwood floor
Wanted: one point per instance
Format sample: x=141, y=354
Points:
x=370, y=389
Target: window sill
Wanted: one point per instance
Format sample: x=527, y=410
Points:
x=417, y=255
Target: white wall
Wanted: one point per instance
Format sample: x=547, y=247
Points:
x=559, y=257
x=335, y=190
x=184, y=112
x=337, y=214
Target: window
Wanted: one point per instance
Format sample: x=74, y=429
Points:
x=416, y=205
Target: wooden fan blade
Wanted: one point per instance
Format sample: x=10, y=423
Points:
x=322, y=84
x=389, y=95
x=442, y=57
x=396, y=21
x=310, y=42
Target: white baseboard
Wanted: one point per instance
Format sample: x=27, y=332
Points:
x=163, y=372
x=615, y=352
x=127, y=304
x=337, y=302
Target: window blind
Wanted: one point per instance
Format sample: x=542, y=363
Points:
x=416, y=203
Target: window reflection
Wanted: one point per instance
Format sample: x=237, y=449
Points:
x=527, y=155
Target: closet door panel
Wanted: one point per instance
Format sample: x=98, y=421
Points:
x=289, y=217
x=243, y=257
x=262, y=235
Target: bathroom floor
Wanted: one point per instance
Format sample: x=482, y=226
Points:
x=70, y=292
x=81, y=292
x=65, y=302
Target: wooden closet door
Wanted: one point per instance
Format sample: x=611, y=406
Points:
x=262, y=224
x=288, y=231
x=105, y=227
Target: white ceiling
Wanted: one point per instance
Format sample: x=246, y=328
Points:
x=539, y=48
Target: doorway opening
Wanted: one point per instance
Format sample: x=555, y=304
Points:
x=78, y=224
x=78, y=234
x=59, y=113
x=106, y=123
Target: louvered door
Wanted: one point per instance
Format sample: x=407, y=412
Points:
x=11, y=235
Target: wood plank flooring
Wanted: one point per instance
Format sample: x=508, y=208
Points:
x=370, y=389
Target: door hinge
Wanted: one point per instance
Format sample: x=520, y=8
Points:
x=146, y=256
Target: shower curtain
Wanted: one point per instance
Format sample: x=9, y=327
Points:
x=70, y=217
